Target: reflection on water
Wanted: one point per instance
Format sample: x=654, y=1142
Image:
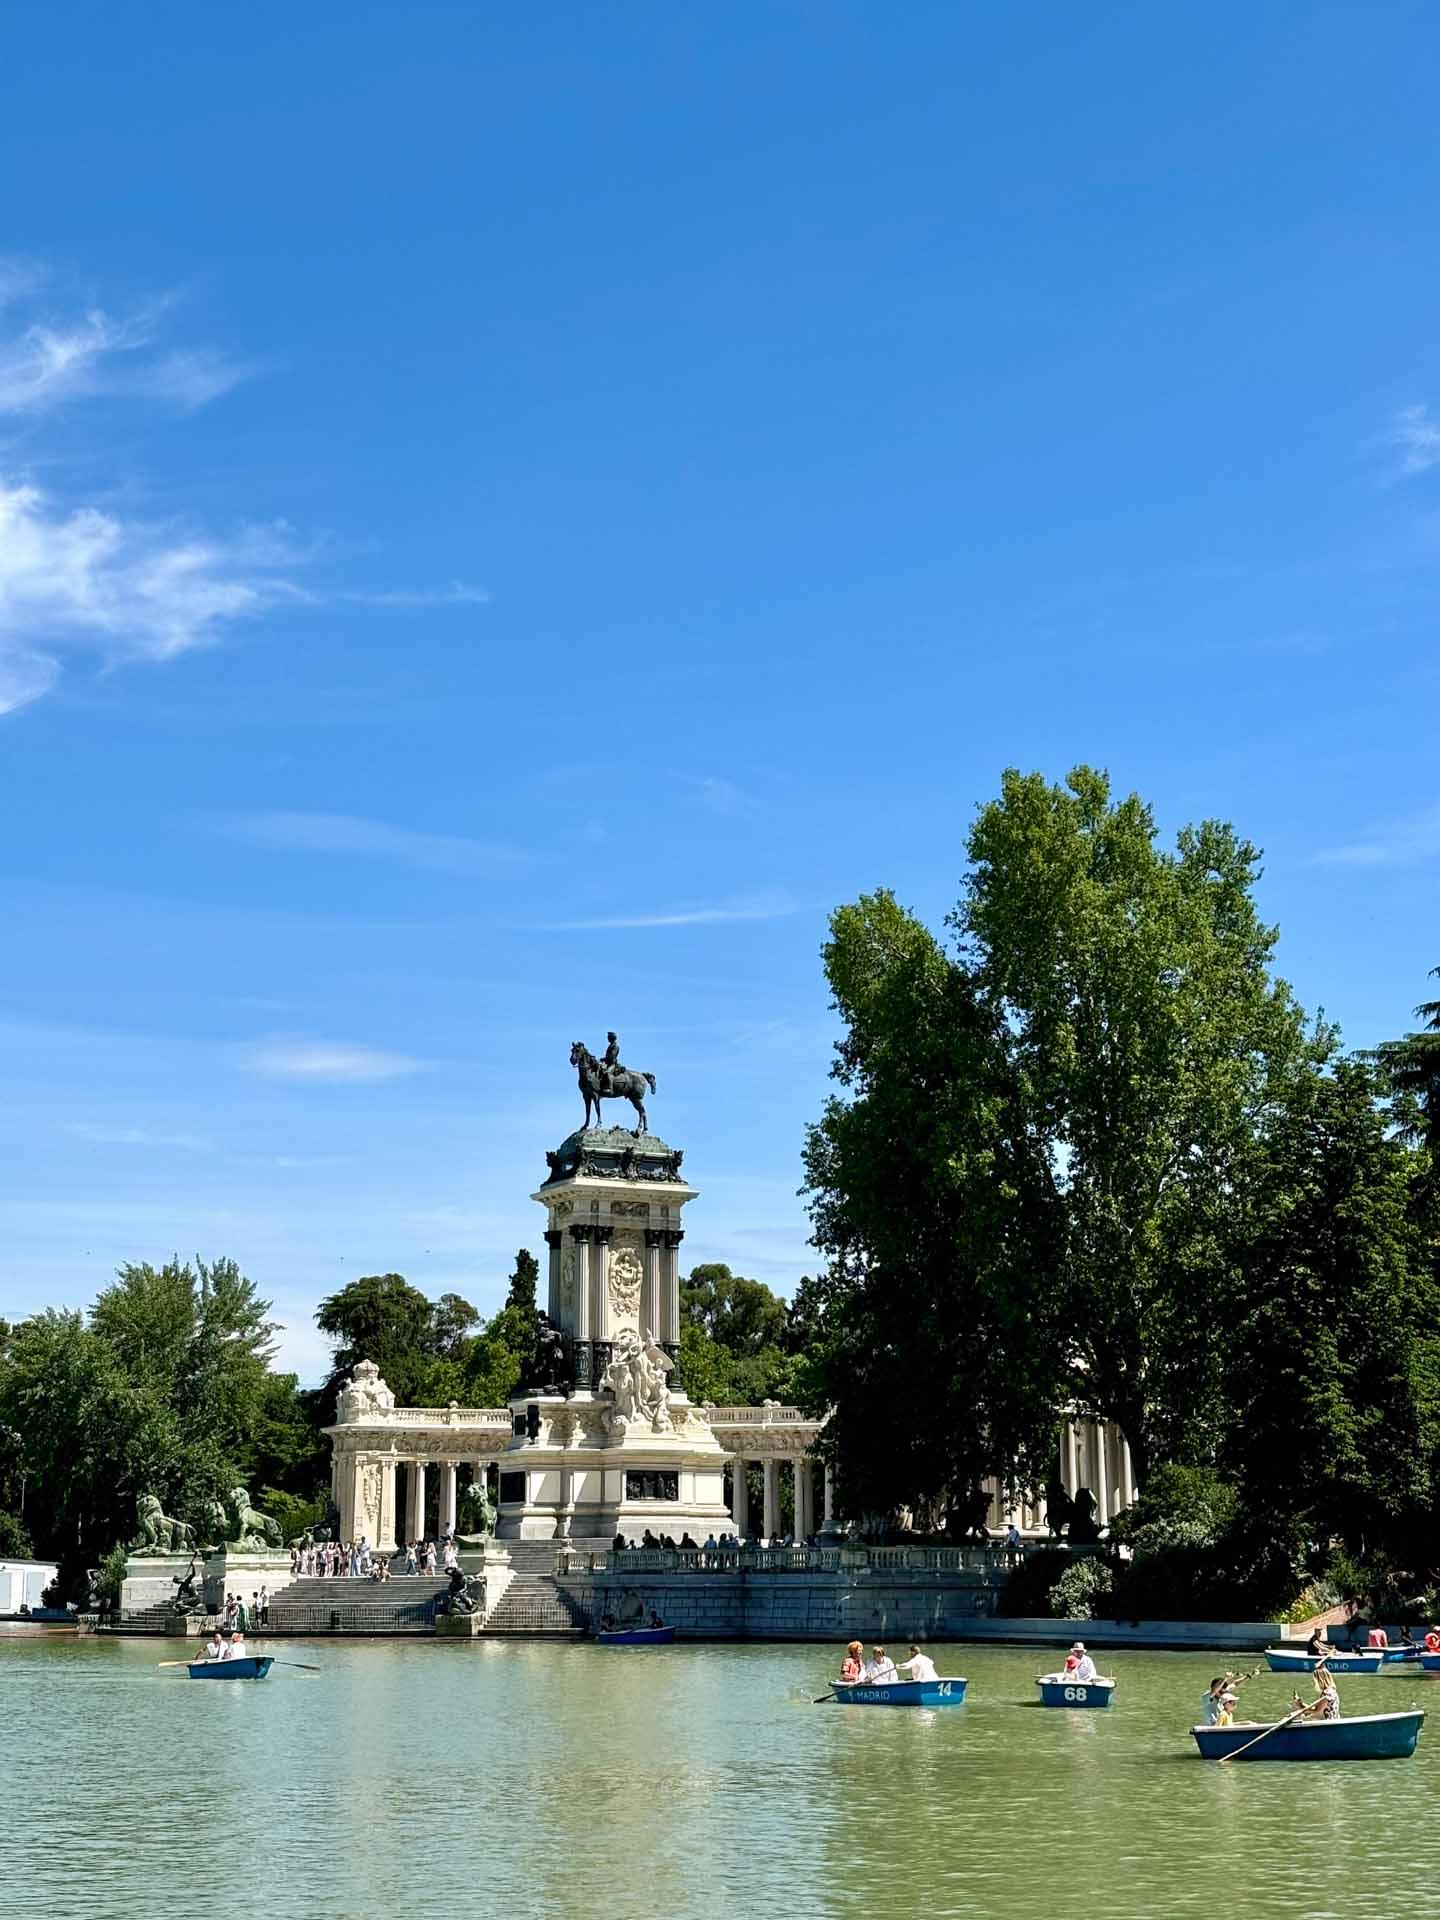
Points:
x=533, y=1779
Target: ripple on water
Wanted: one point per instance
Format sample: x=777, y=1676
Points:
x=528, y=1778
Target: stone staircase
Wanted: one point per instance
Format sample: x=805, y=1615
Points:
x=540, y=1604
x=406, y=1605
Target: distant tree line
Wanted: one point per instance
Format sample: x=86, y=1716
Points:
x=1087, y=1152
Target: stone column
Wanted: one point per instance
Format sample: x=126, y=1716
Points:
x=651, y=1292
x=600, y=1328
x=347, y=1468
x=553, y=1240
x=739, y=1498
x=1127, y=1472
x=580, y=1236
x=772, y=1497
x=1102, y=1476
x=669, y=1329
x=415, y=1504
x=804, y=1500
x=1070, y=1473
x=385, y=1534
x=829, y=1496
x=447, y=1498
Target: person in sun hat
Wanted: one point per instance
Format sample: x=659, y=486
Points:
x=1084, y=1670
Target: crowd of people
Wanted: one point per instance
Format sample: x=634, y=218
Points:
x=358, y=1560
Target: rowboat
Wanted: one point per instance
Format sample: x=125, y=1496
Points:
x=1283, y=1660
x=1400, y=1656
x=248, y=1667
x=1368, y=1736
x=901, y=1693
x=1057, y=1691
x=636, y=1637
x=1430, y=1662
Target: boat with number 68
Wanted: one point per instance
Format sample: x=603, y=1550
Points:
x=1057, y=1691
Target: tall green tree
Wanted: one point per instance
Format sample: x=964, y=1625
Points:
x=936, y=1340
x=735, y=1347
x=1333, y=1371
x=418, y=1344
x=1134, y=989
x=1412, y=1065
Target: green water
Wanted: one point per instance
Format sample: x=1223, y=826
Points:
x=537, y=1780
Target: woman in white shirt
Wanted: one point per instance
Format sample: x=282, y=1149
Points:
x=919, y=1666
x=880, y=1669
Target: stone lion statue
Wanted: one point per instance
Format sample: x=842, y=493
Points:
x=235, y=1523
x=158, y=1532
x=476, y=1508
x=253, y=1531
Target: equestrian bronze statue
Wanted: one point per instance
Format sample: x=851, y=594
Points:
x=608, y=1080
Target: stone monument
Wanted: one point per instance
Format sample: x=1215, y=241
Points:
x=613, y=1445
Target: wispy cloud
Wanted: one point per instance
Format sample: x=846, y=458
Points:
x=1418, y=438
x=1408, y=842
x=320, y=1062
x=457, y=594
x=347, y=833
x=51, y=362
x=725, y=800
x=113, y=1136
x=760, y=906
x=146, y=591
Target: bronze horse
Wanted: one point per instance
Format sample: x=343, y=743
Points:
x=619, y=1083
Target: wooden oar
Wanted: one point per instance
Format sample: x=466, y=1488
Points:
x=1298, y=1714
x=823, y=1697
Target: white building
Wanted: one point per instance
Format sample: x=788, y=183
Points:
x=22, y=1582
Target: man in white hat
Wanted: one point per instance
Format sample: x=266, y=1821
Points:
x=1084, y=1670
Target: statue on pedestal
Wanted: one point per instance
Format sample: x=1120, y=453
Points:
x=607, y=1080
x=158, y=1532
x=364, y=1393
x=477, y=1510
x=234, y=1523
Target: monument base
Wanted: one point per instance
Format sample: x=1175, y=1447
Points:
x=586, y=1476
x=459, y=1626
x=153, y=1579
x=242, y=1575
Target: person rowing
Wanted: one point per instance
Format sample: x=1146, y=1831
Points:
x=215, y=1646
x=919, y=1666
x=1326, y=1704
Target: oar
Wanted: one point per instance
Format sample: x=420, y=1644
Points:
x=300, y=1665
x=823, y=1697
x=1298, y=1714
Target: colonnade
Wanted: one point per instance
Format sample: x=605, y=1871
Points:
x=377, y=1516
x=802, y=1469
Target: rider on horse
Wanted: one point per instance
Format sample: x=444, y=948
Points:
x=610, y=1065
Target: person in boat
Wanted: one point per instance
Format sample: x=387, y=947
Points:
x=1210, y=1706
x=1432, y=1640
x=919, y=1666
x=1407, y=1641
x=238, y=1648
x=853, y=1665
x=214, y=1646
x=880, y=1669
x=1227, y=1704
x=1326, y=1704
x=1084, y=1670
x=1317, y=1646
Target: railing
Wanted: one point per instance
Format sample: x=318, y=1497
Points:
x=491, y=1418
x=986, y=1561
x=773, y=1416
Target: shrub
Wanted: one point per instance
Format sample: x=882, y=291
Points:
x=1027, y=1591
x=1083, y=1592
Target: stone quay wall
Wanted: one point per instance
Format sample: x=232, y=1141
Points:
x=889, y=1594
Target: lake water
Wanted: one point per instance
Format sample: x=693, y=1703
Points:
x=526, y=1779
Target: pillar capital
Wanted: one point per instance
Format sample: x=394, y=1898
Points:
x=553, y=1236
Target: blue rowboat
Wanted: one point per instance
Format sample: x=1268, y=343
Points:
x=1430, y=1662
x=1282, y=1660
x=250, y=1667
x=1369, y=1736
x=636, y=1637
x=1399, y=1656
x=901, y=1693
x=1057, y=1691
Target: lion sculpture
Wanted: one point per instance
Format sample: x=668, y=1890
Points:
x=158, y=1532
x=235, y=1523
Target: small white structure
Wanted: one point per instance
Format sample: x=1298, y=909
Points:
x=22, y=1582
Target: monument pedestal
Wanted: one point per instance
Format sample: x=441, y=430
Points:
x=228, y=1572
x=580, y=1478
x=153, y=1579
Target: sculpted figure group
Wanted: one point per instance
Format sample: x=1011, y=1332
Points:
x=232, y=1522
x=638, y=1378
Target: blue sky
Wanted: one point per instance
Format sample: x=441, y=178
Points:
x=507, y=516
